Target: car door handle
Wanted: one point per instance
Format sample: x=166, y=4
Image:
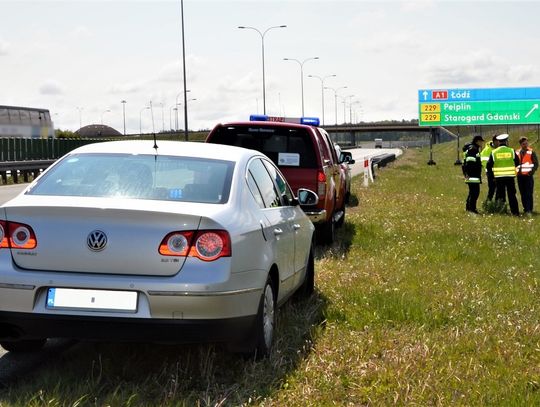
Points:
x=278, y=232
x=296, y=226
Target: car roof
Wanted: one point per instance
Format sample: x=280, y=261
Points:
x=174, y=148
x=267, y=124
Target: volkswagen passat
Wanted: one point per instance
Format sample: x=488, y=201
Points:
x=174, y=242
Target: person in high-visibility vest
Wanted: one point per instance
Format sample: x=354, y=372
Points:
x=472, y=170
x=528, y=164
x=502, y=164
x=484, y=157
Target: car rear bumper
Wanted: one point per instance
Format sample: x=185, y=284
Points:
x=316, y=216
x=17, y=325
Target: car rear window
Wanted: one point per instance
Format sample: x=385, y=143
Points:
x=167, y=178
x=285, y=147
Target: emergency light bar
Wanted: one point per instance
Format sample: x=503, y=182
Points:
x=311, y=121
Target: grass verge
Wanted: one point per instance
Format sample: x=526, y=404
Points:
x=419, y=303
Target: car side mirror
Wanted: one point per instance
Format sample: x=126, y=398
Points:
x=307, y=197
x=346, y=157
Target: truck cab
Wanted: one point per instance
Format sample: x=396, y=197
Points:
x=305, y=155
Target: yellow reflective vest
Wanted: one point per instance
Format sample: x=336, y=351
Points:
x=503, y=162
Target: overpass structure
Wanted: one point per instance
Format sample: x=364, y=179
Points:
x=353, y=134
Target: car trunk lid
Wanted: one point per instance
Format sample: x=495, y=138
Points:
x=112, y=239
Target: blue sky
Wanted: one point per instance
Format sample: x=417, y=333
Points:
x=91, y=55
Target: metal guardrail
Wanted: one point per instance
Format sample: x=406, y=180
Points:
x=23, y=169
x=25, y=157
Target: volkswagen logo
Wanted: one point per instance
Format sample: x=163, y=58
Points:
x=96, y=240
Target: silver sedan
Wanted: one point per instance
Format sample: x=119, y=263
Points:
x=185, y=242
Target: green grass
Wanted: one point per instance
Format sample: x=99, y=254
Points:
x=418, y=303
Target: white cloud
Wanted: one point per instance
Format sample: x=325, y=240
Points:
x=51, y=87
x=130, y=87
x=390, y=41
x=417, y=5
x=4, y=47
x=481, y=67
x=81, y=32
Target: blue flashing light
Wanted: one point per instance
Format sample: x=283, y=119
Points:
x=311, y=121
x=258, y=118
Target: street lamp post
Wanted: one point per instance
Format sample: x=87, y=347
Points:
x=335, y=97
x=345, y=107
x=140, y=119
x=124, y=110
x=180, y=104
x=301, y=75
x=322, y=79
x=176, y=114
x=80, y=109
x=106, y=111
x=350, y=110
x=262, y=34
x=152, y=115
x=162, y=117
x=170, y=117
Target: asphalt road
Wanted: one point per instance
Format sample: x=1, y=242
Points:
x=9, y=191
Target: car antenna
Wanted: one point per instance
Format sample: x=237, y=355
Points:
x=155, y=142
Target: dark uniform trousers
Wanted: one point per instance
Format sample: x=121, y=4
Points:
x=491, y=187
x=526, y=187
x=474, y=193
x=507, y=186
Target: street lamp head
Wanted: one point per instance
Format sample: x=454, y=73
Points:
x=241, y=27
x=282, y=26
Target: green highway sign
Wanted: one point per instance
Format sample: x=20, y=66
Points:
x=454, y=107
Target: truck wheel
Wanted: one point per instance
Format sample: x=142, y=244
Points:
x=327, y=232
x=341, y=220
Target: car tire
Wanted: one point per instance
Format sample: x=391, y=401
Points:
x=22, y=346
x=266, y=321
x=308, y=286
x=258, y=341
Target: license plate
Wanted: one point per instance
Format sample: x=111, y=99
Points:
x=94, y=300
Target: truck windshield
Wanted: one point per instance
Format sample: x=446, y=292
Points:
x=285, y=147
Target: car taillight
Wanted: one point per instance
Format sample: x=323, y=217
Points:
x=321, y=184
x=207, y=245
x=17, y=236
x=176, y=244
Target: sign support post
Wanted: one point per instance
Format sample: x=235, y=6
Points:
x=431, y=162
x=458, y=161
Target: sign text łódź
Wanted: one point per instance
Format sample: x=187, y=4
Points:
x=454, y=107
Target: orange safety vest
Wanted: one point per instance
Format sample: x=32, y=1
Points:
x=526, y=164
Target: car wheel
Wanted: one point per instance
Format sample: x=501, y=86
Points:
x=26, y=345
x=308, y=286
x=266, y=321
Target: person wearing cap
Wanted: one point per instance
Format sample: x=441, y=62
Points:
x=484, y=157
x=528, y=164
x=502, y=164
x=472, y=170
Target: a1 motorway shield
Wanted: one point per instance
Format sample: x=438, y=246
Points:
x=454, y=107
